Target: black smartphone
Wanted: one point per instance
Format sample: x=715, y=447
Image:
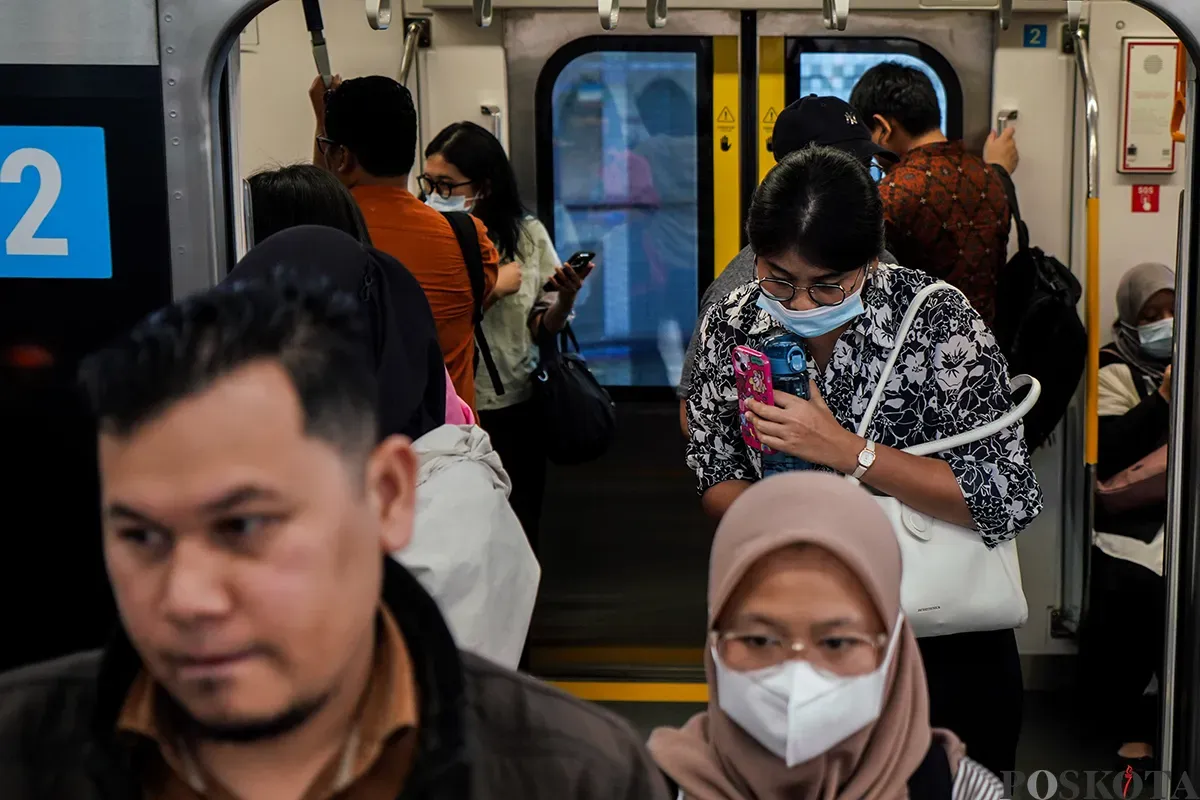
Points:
x=578, y=262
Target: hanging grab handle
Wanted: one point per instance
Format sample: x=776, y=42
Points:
x=835, y=14
x=315, y=25
x=1179, y=109
x=379, y=14
x=1006, y=8
x=610, y=11
x=656, y=13
x=482, y=11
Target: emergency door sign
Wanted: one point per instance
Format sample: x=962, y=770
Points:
x=1145, y=199
x=54, y=203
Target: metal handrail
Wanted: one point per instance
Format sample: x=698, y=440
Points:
x=412, y=37
x=1092, y=113
x=1091, y=428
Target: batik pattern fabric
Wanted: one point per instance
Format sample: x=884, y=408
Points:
x=950, y=378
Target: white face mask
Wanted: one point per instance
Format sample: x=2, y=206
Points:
x=798, y=713
x=455, y=202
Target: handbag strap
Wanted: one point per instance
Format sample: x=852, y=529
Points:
x=969, y=437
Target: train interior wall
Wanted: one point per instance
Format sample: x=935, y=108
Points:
x=467, y=67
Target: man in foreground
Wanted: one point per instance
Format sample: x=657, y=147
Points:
x=268, y=647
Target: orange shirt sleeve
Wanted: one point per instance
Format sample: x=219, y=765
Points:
x=491, y=257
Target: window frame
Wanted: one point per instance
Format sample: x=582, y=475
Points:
x=701, y=47
x=796, y=46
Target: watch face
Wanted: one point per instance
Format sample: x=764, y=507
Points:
x=866, y=458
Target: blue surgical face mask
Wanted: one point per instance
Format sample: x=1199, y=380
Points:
x=818, y=321
x=1155, y=338
x=455, y=202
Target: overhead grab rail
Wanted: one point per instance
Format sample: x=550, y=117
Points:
x=412, y=40
x=835, y=13
x=656, y=13
x=316, y=30
x=379, y=14
x=481, y=10
x=1179, y=108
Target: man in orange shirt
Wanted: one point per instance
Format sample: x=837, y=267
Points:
x=367, y=136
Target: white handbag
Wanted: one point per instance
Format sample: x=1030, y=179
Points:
x=952, y=582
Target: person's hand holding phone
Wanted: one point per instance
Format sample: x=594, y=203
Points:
x=568, y=279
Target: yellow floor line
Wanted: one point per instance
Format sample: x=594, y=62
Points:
x=633, y=692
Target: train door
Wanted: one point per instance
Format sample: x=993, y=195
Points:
x=636, y=156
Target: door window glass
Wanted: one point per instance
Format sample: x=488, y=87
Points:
x=625, y=185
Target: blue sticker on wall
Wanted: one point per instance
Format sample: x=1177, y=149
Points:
x=1036, y=35
x=54, y=203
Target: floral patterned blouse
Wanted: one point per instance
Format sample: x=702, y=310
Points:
x=950, y=378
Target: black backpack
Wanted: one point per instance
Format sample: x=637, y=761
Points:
x=578, y=420
x=1038, y=326
x=468, y=241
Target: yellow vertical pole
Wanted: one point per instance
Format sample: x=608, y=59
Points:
x=771, y=97
x=1092, y=430
x=727, y=239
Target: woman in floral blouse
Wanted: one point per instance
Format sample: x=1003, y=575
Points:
x=816, y=227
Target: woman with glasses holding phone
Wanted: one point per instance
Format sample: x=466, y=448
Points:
x=466, y=169
x=816, y=686
x=816, y=227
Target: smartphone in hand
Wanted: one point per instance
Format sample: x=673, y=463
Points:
x=752, y=370
x=578, y=263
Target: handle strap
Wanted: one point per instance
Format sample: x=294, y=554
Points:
x=969, y=437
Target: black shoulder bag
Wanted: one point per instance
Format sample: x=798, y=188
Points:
x=468, y=242
x=1038, y=326
x=578, y=419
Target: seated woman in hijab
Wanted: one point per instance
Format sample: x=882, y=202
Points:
x=1126, y=589
x=816, y=686
x=305, y=194
x=468, y=549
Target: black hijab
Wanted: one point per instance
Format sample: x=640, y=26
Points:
x=408, y=360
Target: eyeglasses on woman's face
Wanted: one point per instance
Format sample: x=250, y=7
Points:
x=822, y=294
x=844, y=653
x=442, y=187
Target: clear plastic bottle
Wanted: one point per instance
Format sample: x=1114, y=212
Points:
x=789, y=373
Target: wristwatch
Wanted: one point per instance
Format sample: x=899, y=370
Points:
x=866, y=459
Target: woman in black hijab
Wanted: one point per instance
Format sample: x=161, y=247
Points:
x=468, y=549
x=408, y=359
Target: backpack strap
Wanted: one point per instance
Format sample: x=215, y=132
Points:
x=1010, y=190
x=468, y=241
x=933, y=779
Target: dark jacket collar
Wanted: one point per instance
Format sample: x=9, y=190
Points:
x=442, y=750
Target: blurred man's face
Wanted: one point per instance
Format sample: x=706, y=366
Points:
x=245, y=555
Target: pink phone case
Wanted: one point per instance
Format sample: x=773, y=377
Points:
x=753, y=373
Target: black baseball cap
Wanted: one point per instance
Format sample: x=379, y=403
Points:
x=824, y=121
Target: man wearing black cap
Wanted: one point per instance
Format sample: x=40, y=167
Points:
x=816, y=120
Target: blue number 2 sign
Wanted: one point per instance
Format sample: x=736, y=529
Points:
x=1035, y=35
x=54, y=203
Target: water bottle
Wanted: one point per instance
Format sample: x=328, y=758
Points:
x=789, y=373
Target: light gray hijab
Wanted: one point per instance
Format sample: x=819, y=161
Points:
x=1138, y=285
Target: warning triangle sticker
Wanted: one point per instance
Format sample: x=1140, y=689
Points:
x=726, y=115
x=770, y=116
